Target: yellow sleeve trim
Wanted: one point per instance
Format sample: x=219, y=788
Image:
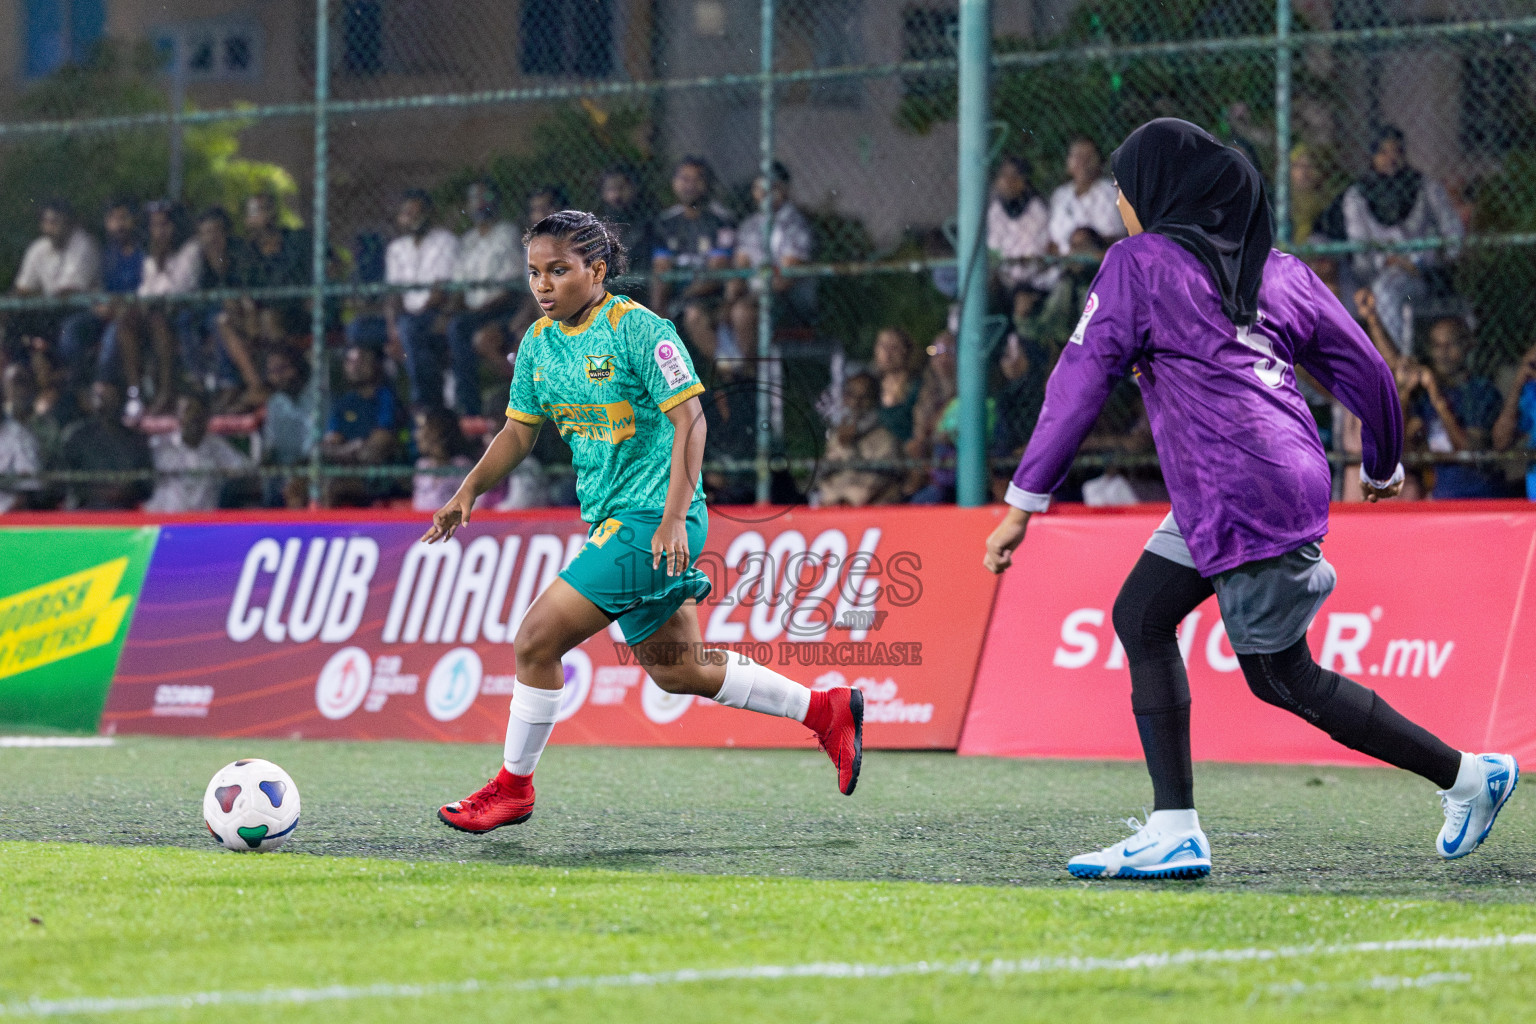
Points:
x=619, y=308
x=541, y=323
x=681, y=397
x=524, y=417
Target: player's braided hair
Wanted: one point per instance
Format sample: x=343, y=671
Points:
x=586, y=235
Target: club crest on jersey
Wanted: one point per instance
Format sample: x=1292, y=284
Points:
x=1082, y=322
x=600, y=368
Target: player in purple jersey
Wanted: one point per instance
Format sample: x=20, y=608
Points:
x=1212, y=321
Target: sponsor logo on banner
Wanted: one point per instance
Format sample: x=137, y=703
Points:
x=662, y=707
x=63, y=618
x=881, y=703
x=454, y=684
x=578, y=682
x=343, y=683
x=173, y=701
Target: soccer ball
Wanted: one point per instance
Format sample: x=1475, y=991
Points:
x=251, y=806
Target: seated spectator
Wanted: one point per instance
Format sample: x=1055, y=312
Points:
x=361, y=425
x=480, y=318
x=790, y=244
x=442, y=446
x=694, y=235
x=424, y=255
x=102, y=443
x=122, y=270
x=1087, y=200
x=624, y=207
x=20, y=454
x=1024, y=366
x=1517, y=420
x=28, y=406
x=898, y=381
x=189, y=462
x=275, y=257
x=1057, y=314
x=287, y=431
x=859, y=437
x=171, y=263
x=64, y=260
x=1393, y=202
x=200, y=329
x=1312, y=189
x=545, y=200
x=939, y=387
x=1018, y=227
x=1454, y=410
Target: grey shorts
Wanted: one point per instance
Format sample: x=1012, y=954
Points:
x=1266, y=605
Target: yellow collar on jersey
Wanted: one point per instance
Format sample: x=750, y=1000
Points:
x=588, y=319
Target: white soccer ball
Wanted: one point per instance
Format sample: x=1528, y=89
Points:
x=251, y=806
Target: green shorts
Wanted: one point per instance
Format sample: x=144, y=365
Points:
x=613, y=570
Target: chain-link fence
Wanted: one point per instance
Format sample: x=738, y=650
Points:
x=328, y=129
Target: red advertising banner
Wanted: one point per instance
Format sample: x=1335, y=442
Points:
x=353, y=629
x=1433, y=610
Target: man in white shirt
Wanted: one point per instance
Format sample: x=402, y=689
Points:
x=64, y=260
x=489, y=251
x=180, y=454
x=421, y=255
x=1086, y=201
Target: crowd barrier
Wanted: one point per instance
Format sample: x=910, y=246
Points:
x=340, y=625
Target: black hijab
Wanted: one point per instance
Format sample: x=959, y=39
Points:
x=1209, y=198
x=1391, y=197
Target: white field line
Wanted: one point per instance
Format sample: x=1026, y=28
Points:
x=786, y=972
x=56, y=741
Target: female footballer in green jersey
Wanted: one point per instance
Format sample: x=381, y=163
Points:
x=622, y=390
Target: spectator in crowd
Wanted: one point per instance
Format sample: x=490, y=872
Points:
x=940, y=386
x=170, y=267
x=1087, y=200
x=1060, y=310
x=898, y=381
x=1024, y=368
x=20, y=454
x=102, y=443
x=545, y=200
x=442, y=446
x=694, y=235
x=624, y=207
x=1393, y=202
x=287, y=431
x=480, y=318
x=362, y=424
x=63, y=261
x=192, y=466
x=859, y=437
x=204, y=356
x=790, y=243
x=1517, y=420
x=1018, y=227
x=26, y=403
x=122, y=269
x=1454, y=410
x=422, y=254
x=276, y=257
x=1311, y=191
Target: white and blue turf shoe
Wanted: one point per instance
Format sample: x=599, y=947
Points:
x=1482, y=788
x=1169, y=845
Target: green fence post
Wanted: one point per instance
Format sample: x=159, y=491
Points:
x=975, y=53
x=765, y=272
x=318, y=370
x=1283, y=122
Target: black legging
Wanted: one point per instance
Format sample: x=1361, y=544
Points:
x=1155, y=598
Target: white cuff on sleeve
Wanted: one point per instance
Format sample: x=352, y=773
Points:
x=1018, y=497
x=1396, y=478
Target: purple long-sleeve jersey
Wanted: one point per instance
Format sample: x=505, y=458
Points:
x=1245, y=470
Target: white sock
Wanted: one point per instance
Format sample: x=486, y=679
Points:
x=1175, y=822
x=759, y=688
x=1469, y=778
x=529, y=726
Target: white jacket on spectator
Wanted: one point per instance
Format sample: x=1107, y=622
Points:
x=429, y=262
x=1021, y=238
x=77, y=267
x=496, y=255
x=19, y=456
x=1432, y=216
x=178, y=491
x=1094, y=209
x=176, y=274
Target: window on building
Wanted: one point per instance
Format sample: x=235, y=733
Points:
x=929, y=33
x=60, y=32
x=1495, y=103
x=362, y=37
x=211, y=50
x=572, y=38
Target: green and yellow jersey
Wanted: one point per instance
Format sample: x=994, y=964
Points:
x=608, y=384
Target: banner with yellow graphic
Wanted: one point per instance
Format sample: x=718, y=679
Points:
x=66, y=596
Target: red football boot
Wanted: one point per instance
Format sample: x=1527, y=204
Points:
x=505, y=800
x=837, y=719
